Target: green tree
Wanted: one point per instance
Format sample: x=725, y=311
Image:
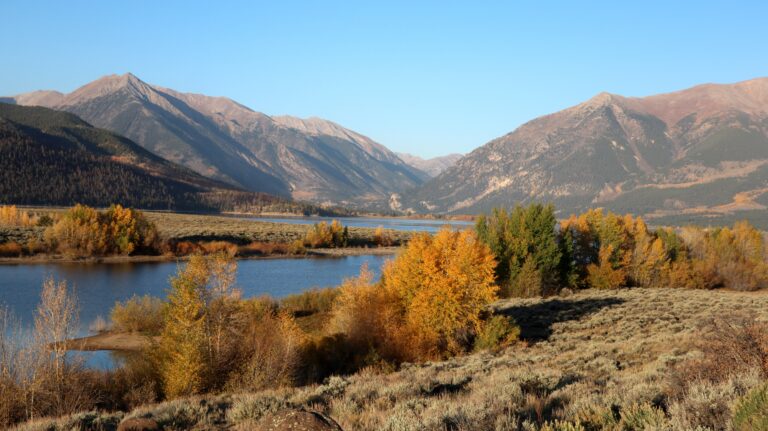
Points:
x=525, y=235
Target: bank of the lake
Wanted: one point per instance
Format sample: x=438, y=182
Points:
x=308, y=254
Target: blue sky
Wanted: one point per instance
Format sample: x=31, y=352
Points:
x=428, y=78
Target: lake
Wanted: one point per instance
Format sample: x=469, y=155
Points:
x=422, y=225
x=98, y=286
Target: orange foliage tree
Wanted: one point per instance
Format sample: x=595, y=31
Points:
x=440, y=286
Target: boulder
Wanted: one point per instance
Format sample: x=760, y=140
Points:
x=298, y=420
x=138, y=424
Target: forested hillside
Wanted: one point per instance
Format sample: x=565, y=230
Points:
x=54, y=158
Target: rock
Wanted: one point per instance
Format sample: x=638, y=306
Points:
x=298, y=420
x=138, y=424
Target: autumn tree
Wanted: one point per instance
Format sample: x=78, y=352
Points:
x=199, y=333
x=327, y=235
x=441, y=284
x=84, y=231
x=183, y=352
x=78, y=231
x=10, y=215
x=128, y=230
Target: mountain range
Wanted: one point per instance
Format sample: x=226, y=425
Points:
x=50, y=157
x=305, y=159
x=701, y=150
x=432, y=167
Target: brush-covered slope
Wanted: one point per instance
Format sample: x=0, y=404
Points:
x=50, y=157
x=704, y=149
x=603, y=359
x=308, y=159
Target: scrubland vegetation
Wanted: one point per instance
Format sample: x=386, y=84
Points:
x=597, y=322
x=82, y=232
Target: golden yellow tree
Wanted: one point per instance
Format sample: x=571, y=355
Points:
x=442, y=285
x=183, y=353
x=606, y=274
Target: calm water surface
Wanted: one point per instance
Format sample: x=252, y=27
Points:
x=98, y=286
x=373, y=222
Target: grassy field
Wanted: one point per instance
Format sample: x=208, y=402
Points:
x=606, y=358
x=198, y=228
x=194, y=227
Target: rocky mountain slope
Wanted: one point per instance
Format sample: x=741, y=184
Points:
x=50, y=157
x=434, y=166
x=703, y=150
x=308, y=159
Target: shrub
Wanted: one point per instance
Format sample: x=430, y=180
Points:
x=751, y=411
x=13, y=217
x=370, y=320
x=128, y=230
x=271, y=350
x=84, y=231
x=310, y=301
x=11, y=249
x=730, y=345
x=382, y=237
x=264, y=249
x=327, y=235
x=497, y=333
x=138, y=314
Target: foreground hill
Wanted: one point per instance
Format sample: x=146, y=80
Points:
x=606, y=359
x=50, y=157
x=308, y=159
x=700, y=150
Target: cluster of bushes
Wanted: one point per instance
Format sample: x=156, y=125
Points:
x=11, y=216
x=323, y=235
x=85, y=231
x=82, y=231
x=604, y=250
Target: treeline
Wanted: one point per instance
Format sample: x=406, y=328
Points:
x=599, y=249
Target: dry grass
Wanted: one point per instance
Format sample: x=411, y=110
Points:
x=194, y=227
x=606, y=359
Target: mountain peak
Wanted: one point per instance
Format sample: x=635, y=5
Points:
x=107, y=85
x=603, y=99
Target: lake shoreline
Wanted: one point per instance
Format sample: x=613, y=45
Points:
x=312, y=253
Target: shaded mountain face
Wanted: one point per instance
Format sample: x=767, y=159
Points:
x=50, y=157
x=432, y=167
x=307, y=159
x=704, y=149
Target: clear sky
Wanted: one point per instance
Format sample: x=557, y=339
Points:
x=428, y=78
